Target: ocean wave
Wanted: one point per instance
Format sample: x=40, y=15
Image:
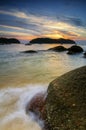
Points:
x=13, y=103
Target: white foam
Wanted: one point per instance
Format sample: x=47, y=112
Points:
x=13, y=103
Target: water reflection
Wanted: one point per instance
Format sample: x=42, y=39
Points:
x=18, y=69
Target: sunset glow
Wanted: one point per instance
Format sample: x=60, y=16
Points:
x=26, y=24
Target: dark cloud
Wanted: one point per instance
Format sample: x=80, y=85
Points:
x=76, y=21
x=68, y=33
x=72, y=20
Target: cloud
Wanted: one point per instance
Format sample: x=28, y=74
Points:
x=18, y=29
x=22, y=15
x=75, y=21
x=27, y=24
x=19, y=26
x=72, y=20
x=14, y=13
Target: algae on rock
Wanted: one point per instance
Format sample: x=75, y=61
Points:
x=66, y=101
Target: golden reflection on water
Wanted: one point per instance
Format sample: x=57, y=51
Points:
x=33, y=69
x=19, y=69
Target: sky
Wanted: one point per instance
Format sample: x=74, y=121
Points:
x=28, y=19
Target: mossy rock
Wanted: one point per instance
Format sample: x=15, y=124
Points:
x=66, y=101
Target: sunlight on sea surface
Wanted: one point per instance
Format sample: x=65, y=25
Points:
x=23, y=75
x=18, y=69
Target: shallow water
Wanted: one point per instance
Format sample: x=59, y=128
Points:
x=19, y=69
x=24, y=75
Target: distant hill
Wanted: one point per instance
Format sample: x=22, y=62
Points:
x=8, y=41
x=51, y=41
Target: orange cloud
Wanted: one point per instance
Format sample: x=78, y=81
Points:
x=41, y=26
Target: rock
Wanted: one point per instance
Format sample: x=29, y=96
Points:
x=9, y=41
x=13, y=40
x=51, y=41
x=30, y=51
x=75, y=49
x=58, y=48
x=37, y=105
x=84, y=54
x=66, y=101
x=28, y=44
x=70, y=52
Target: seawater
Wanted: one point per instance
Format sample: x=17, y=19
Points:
x=13, y=103
x=24, y=75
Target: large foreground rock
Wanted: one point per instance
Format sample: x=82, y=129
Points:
x=66, y=101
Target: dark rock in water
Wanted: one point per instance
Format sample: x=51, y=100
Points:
x=37, y=105
x=66, y=101
x=28, y=44
x=75, y=49
x=58, y=48
x=51, y=41
x=9, y=41
x=13, y=40
x=84, y=54
x=70, y=52
x=30, y=51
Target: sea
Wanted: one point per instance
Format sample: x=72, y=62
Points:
x=23, y=75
